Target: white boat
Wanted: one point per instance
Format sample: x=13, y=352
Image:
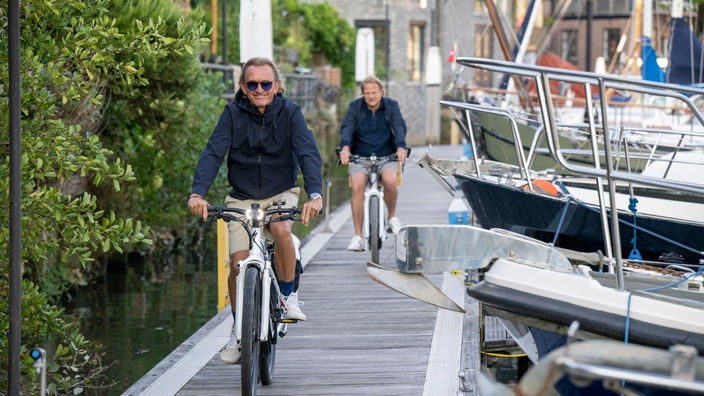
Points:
x=530, y=282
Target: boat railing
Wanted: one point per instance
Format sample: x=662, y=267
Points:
x=543, y=76
x=627, y=136
x=612, y=154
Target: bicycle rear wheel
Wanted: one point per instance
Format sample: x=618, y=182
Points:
x=267, y=349
x=251, y=318
x=374, y=241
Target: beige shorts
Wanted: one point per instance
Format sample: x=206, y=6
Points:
x=238, y=238
x=356, y=168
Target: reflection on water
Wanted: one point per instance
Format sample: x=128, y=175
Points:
x=140, y=315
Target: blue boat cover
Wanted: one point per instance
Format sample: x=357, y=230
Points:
x=686, y=63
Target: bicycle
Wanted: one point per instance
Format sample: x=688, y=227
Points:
x=260, y=320
x=375, y=212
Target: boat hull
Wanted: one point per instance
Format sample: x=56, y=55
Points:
x=552, y=315
x=541, y=216
x=551, y=300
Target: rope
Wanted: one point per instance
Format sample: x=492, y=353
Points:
x=639, y=228
x=562, y=219
x=635, y=254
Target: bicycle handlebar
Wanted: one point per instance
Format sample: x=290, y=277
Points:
x=222, y=212
x=356, y=158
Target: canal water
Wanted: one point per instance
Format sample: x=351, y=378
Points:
x=142, y=312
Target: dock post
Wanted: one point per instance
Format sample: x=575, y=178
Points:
x=223, y=264
x=327, y=228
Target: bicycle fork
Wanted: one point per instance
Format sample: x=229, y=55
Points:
x=265, y=280
x=368, y=194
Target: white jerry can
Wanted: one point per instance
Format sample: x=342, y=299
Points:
x=457, y=212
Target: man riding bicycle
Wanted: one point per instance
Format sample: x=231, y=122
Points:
x=265, y=138
x=373, y=125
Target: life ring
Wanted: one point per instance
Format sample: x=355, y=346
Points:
x=543, y=186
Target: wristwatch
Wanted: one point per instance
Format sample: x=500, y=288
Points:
x=316, y=196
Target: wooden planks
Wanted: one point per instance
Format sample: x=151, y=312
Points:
x=360, y=338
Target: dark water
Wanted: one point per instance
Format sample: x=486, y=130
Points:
x=141, y=314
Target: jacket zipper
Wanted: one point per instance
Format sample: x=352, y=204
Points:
x=259, y=155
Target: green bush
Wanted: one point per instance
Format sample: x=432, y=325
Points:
x=100, y=80
x=73, y=363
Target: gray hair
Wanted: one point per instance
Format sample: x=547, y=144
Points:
x=262, y=61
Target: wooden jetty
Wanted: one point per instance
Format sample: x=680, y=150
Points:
x=360, y=338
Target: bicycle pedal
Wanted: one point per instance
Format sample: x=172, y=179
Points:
x=289, y=320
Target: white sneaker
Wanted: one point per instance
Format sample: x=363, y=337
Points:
x=395, y=225
x=232, y=352
x=293, y=308
x=356, y=244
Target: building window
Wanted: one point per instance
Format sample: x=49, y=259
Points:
x=381, y=44
x=578, y=8
x=610, y=44
x=568, y=46
x=416, y=51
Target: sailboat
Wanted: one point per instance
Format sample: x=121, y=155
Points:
x=627, y=110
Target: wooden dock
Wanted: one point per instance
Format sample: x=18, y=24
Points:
x=360, y=338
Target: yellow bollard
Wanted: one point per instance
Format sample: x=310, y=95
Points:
x=223, y=264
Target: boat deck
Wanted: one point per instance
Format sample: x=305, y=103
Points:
x=360, y=338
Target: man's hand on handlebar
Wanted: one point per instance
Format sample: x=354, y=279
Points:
x=401, y=154
x=344, y=155
x=311, y=209
x=198, y=206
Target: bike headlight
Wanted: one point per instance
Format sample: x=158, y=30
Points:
x=260, y=215
x=257, y=214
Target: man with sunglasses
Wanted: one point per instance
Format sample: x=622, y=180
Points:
x=373, y=125
x=266, y=140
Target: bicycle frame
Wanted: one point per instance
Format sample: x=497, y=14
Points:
x=259, y=257
x=373, y=190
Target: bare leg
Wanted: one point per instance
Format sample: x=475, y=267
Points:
x=284, y=254
x=358, y=182
x=388, y=180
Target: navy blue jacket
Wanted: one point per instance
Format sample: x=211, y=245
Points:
x=390, y=133
x=263, y=151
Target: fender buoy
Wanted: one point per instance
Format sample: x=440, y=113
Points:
x=543, y=186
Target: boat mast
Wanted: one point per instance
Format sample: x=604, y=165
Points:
x=503, y=42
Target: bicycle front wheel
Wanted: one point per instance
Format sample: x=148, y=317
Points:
x=267, y=349
x=251, y=318
x=374, y=241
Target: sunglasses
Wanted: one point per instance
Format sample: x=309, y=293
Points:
x=266, y=85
